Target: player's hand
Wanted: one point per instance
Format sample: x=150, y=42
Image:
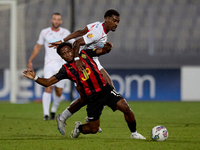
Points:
x=55, y=44
x=29, y=74
x=108, y=45
x=80, y=65
x=30, y=65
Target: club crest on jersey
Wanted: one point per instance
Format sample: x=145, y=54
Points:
x=90, y=35
x=86, y=73
x=83, y=56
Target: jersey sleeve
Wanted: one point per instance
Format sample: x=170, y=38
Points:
x=91, y=52
x=61, y=74
x=41, y=39
x=89, y=26
x=92, y=37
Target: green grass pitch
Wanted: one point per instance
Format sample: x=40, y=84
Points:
x=22, y=128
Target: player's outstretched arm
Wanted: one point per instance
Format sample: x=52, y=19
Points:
x=76, y=34
x=73, y=35
x=106, y=49
x=36, y=50
x=55, y=44
x=42, y=81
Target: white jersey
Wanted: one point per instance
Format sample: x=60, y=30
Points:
x=96, y=36
x=52, y=61
x=47, y=36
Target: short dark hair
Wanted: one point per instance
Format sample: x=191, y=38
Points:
x=56, y=13
x=62, y=45
x=111, y=12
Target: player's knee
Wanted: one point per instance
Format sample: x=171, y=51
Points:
x=127, y=109
x=48, y=89
x=81, y=101
x=58, y=91
x=123, y=106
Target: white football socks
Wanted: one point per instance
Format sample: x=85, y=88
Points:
x=65, y=115
x=56, y=102
x=133, y=133
x=46, y=100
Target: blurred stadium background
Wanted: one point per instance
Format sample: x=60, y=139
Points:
x=156, y=45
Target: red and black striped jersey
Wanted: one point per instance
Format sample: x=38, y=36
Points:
x=90, y=80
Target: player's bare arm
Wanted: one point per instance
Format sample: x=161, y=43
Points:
x=42, y=81
x=73, y=35
x=79, y=64
x=36, y=50
x=76, y=34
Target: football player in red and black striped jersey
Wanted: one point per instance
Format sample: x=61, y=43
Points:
x=96, y=91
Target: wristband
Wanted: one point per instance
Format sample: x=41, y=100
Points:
x=62, y=40
x=76, y=58
x=36, y=77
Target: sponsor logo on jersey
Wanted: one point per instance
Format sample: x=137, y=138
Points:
x=90, y=35
x=86, y=73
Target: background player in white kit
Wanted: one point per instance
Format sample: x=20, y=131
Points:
x=52, y=62
x=93, y=35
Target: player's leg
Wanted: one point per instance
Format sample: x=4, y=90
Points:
x=69, y=111
x=89, y=128
x=103, y=72
x=106, y=77
x=61, y=119
x=123, y=106
x=46, y=97
x=94, y=110
x=73, y=107
x=56, y=101
x=116, y=102
x=57, y=97
x=46, y=100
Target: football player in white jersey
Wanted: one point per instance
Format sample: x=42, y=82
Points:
x=52, y=63
x=94, y=35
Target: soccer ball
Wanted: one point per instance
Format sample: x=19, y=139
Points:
x=159, y=133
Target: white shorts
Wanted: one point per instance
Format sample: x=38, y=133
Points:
x=52, y=68
x=96, y=60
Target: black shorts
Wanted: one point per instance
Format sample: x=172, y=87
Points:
x=108, y=96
